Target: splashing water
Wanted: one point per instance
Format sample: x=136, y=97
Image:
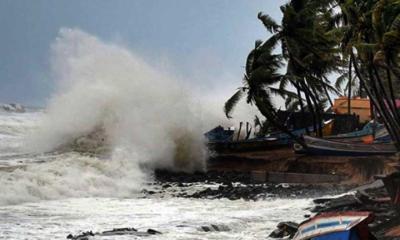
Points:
x=149, y=121
x=143, y=110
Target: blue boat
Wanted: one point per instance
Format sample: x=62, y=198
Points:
x=336, y=226
x=368, y=129
x=221, y=140
x=285, y=139
x=324, y=147
x=219, y=134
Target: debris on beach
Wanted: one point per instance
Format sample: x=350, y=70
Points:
x=373, y=205
x=285, y=229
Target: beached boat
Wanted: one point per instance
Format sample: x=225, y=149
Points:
x=336, y=226
x=221, y=140
x=368, y=129
x=381, y=136
x=318, y=146
x=284, y=138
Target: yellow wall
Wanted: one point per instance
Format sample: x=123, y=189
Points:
x=359, y=106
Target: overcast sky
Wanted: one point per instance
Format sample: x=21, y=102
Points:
x=205, y=42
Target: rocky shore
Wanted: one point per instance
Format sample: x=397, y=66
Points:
x=368, y=198
x=234, y=186
x=238, y=185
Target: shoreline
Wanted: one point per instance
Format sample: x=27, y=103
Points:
x=371, y=197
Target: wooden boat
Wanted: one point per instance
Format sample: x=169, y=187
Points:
x=284, y=138
x=368, y=129
x=324, y=147
x=381, y=136
x=221, y=140
x=336, y=225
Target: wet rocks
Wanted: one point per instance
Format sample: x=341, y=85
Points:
x=371, y=198
x=153, y=232
x=232, y=192
x=209, y=176
x=116, y=231
x=233, y=186
x=346, y=202
x=215, y=228
x=82, y=236
x=285, y=229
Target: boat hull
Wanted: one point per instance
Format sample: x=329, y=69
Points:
x=323, y=147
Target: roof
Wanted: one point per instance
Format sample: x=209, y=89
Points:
x=342, y=102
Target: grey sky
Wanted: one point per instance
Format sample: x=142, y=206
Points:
x=205, y=41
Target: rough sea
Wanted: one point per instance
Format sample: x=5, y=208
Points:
x=43, y=196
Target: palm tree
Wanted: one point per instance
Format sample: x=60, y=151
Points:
x=262, y=73
x=370, y=28
x=317, y=40
x=310, y=51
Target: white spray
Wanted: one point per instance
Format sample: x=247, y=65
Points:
x=149, y=120
x=141, y=110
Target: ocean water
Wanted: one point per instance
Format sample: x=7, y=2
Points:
x=40, y=198
x=145, y=118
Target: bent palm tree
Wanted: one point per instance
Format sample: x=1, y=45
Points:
x=258, y=84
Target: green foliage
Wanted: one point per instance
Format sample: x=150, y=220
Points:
x=232, y=101
x=319, y=38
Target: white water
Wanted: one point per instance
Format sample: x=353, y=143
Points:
x=149, y=119
x=93, y=194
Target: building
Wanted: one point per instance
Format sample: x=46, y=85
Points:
x=359, y=106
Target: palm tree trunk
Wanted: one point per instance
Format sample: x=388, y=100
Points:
x=349, y=89
x=318, y=110
x=371, y=93
x=310, y=107
x=303, y=113
x=268, y=114
x=390, y=105
x=327, y=93
x=393, y=98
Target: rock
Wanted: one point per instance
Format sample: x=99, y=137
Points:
x=115, y=231
x=322, y=200
x=206, y=228
x=153, y=232
x=215, y=228
x=343, y=203
x=220, y=228
x=82, y=236
x=285, y=229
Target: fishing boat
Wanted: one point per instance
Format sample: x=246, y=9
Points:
x=324, y=147
x=337, y=226
x=284, y=138
x=221, y=140
x=369, y=129
x=381, y=136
